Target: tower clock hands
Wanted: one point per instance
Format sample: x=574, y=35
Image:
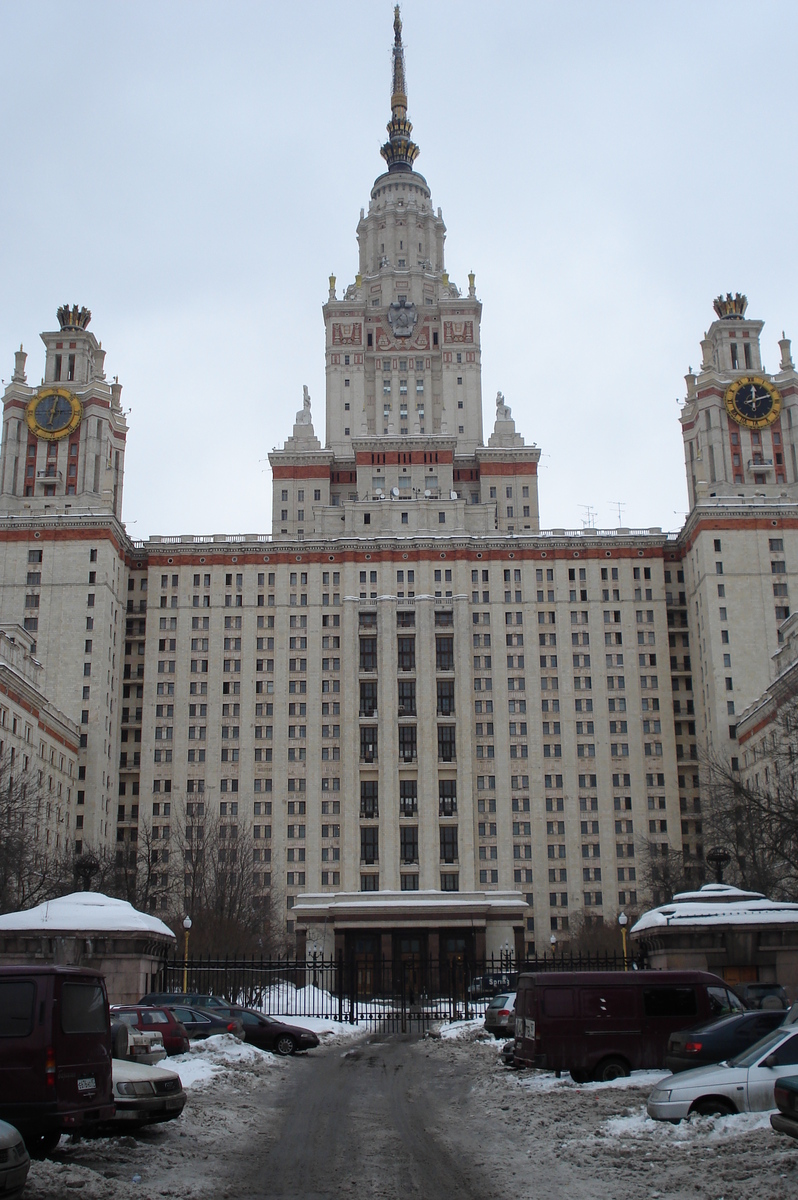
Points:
x=51, y=416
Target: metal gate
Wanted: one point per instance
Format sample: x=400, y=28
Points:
x=404, y=994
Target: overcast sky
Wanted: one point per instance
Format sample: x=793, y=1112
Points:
x=192, y=173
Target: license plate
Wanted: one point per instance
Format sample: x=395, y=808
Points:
x=88, y=1084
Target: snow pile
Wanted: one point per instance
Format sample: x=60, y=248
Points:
x=546, y=1081
x=694, y=1129
x=220, y=1055
x=324, y=1027
x=466, y=1031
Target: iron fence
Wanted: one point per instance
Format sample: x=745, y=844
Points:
x=407, y=992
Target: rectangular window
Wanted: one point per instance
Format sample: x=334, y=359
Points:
x=408, y=797
x=368, y=654
x=446, y=743
x=448, y=841
x=447, y=797
x=408, y=844
x=406, y=658
x=369, y=799
x=370, y=845
x=407, y=743
x=444, y=653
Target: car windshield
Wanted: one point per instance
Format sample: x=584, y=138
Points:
x=498, y=1002
x=755, y=1052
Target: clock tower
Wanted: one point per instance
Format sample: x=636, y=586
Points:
x=739, y=423
x=64, y=442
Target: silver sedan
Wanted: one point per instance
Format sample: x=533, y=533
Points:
x=742, y=1084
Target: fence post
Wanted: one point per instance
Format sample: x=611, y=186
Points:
x=340, y=987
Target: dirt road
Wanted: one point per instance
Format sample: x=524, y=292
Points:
x=372, y=1118
x=371, y=1121
x=402, y=1117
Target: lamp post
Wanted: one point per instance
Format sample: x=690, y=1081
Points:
x=623, y=921
x=187, y=928
x=553, y=943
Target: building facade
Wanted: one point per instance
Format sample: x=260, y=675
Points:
x=417, y=720
x=38, y=753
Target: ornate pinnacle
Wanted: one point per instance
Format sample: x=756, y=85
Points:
x=729, y=306
x=74, y=317
x=400, y=152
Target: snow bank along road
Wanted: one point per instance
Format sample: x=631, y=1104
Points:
x=375, y=1118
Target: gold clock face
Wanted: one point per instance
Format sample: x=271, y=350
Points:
x=753, y=402
x=53, y=413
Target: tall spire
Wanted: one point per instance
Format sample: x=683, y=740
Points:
x=399, y=151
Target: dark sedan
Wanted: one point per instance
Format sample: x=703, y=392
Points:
x=270, y=1034
x=715, y=1041
x=202, y=1023
x=785, y=1094
x=193, y=1000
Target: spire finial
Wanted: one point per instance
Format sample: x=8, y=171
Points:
x=399, y=151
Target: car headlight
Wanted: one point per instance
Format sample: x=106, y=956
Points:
x=660, y=1095
x=143, y=1088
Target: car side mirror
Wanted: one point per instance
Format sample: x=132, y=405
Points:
x=771, y=1061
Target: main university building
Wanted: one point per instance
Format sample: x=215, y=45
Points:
x=430, y=724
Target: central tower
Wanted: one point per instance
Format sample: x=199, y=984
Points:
x=402, y=345
x=403, y=385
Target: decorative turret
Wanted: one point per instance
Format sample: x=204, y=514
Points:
x=729, y=307
x=74, y=317
x=399, y=151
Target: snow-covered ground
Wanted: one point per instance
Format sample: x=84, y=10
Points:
x=537, y=1134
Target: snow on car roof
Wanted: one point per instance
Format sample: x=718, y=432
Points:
x=718, y=904
x=84, y=912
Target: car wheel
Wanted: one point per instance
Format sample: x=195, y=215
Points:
x=41, y=1144
x=285, y=1045
x=611, y=1068
x=579, y=1076
x=713, y=1106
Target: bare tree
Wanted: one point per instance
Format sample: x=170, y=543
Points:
x=752, y=814
x=32, y=866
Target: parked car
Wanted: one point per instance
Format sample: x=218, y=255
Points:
x=488, y=985
x=162, y=1020
x=715, y=1041
x=14, y=1162
x=270, y=1034
x=500, y=1015
x=144, y=1095
x=602, y=1024
x=55, y=1052
x=204, y=1023
x=193, y=1000
x=131, y=1045
x=785, y=1095
x=762, y=995
x=742, y=1084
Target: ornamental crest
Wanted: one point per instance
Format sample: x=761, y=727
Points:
x=458, y=331
x=347, y=335
x=402, y=318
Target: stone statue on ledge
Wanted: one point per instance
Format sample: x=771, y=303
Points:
x=503, y=411
x=303, y=417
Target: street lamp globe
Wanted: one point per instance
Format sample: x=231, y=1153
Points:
x=186, y=923
x=553, y=941
x=623, y=920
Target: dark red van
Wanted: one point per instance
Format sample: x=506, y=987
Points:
x=55, y=1052
x=602, y=1024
